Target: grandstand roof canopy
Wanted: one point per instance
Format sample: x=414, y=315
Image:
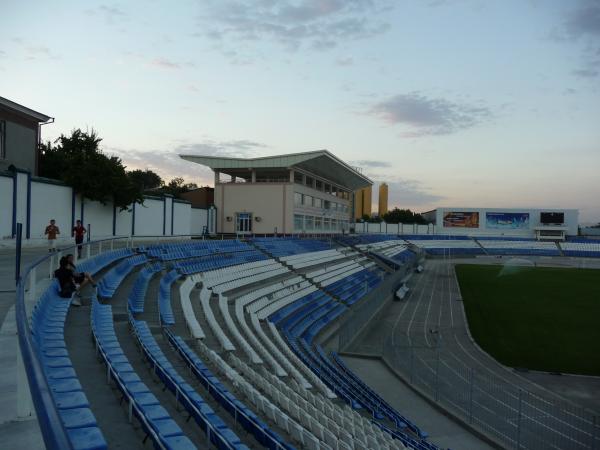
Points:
x=321, y=163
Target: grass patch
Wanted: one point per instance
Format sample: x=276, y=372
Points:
x=535, y=317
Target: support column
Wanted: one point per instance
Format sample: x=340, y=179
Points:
x=291, y=175
x=253, y=176
x=217, y=175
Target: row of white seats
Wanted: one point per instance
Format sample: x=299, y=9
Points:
x=254, y=342
x=267, y=290
x=269, y=272
x=246, y=347
x=277, y=354
x=338, y=427
x=275, y=296
x=444, y=243
x=327, y=269
x=271, y=307
x=314, y=262
x=308, y=256
x=531, y=245
x=581, y=246
x=345, y=268
x=188, y=312
x=262, y=404
x=309, y=374
x=226, y=344
x=225, y=274
x=374, y=246
x=393, y=251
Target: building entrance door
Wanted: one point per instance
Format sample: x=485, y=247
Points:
x=244, y=223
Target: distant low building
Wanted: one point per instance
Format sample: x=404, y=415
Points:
x=202, y=197
x=20, y=136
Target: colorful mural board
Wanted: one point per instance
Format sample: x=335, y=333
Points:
x=461, y=219
x=507, y=221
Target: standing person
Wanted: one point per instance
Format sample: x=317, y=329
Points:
x=51, y=231
x=78, y=231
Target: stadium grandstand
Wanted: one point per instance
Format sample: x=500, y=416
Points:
x=243, y=340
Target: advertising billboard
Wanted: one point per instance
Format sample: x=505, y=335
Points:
x=507, y=221
x=458, y=219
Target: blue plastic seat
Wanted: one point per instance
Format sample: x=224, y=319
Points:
x=69, y=400
x=178, y=443
x=64, y=385
x=89, y=438
x=166, y=427
x=78, y=418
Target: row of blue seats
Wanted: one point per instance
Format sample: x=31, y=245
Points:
x=242, y=414
x=164, y=297
x=581, y=253
x=213, y=426
x=351, y=288
x=137, y=295
x=47, y=324
x=99, y=262
x=178, y=250
x=216, y=262
x=522, y=251
x=291, y=246
x=449, y=251
x=111, y=280
x=142, y=404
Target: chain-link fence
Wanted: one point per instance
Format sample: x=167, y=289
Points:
x=514, y=417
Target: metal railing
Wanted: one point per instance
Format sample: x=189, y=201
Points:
x=515, y=417
x=32, y=386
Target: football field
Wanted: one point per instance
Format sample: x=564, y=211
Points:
x=537, y=318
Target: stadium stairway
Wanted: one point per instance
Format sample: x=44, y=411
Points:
x=481, y=246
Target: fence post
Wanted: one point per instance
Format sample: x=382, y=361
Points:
x=519, y=420
x=471, y=381
x=594, y=430
x=437, y=375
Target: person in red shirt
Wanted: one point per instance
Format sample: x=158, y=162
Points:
x=51, y=231
x=78, y=232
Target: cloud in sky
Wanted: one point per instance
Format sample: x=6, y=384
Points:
x=168, y=164
x=370, y=163
x=428, y=116
x=405, y=193
x=111, y=14
x=584, y=20
x=319, y=24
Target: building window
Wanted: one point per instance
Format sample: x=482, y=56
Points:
x=309, y=222
x=334, y=225
x=318, y=203
x=244, y=222
x=319, y=185
x=298, y=222
x=326, y=223
x=308, y=200
x=2, y=139
x=318, y=223
x=327, y=188
x=297, y=199
x=298, y=178
x=309, y=181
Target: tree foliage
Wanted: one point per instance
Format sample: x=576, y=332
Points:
x=397, y=215
x=78, y=161
x=178, y=186
x=146, y=179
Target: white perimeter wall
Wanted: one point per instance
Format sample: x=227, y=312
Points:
x=198, y=220
x=55, y=201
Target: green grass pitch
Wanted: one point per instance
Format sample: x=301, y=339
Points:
x=535, y=317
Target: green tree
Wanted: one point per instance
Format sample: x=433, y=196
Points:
x=78, y=161
x=178, y=186
x=146, y=179
x=397, y=215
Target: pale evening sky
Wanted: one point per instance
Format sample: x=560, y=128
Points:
x=452, y=102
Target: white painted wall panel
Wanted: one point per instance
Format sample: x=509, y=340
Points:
x=182, y=218
x=6, y=193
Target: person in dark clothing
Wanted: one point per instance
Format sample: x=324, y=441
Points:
x=78, y=231
x=81, y=278
x=66, y=282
